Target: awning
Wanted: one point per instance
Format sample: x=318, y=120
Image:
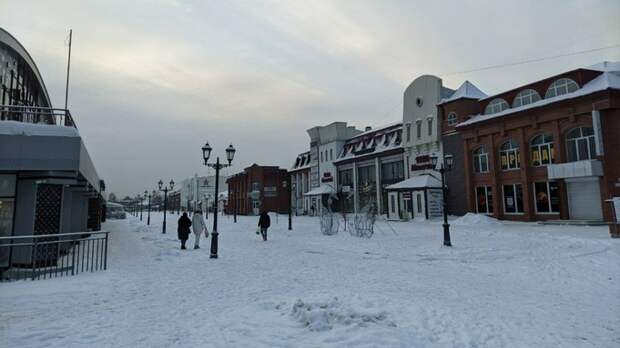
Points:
x=321, y=190
x=417, y=182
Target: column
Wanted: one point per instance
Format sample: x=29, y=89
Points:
x=355, y=195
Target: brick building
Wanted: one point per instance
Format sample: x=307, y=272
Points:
x=258, y=188
x=547, y=150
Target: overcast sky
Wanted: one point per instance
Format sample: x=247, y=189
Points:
x=151, y=81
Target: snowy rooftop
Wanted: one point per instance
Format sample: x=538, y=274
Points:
x=323, y=189
x=31, y=129
x=467, y=90
x=417, y=182
x=377, y=141
x=607, y=80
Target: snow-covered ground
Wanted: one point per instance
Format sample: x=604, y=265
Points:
x=501, y=285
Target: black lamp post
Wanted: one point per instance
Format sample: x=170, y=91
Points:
x=165, y=190
x=446, y=165
x=140, y=199
x=148, y=212
x=290, y=212
x=234, y=206
x=206, y=153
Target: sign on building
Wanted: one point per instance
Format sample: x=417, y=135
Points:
x=435, y=203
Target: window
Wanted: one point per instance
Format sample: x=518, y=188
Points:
x=419, y=203
x=561, y=86
x=481, y=160
x=430, y=126
x=580, y=144
x=321, y=156
x=496, y=105
x=392, y=172
x=255, y=186
x=366, y=185
x=509, y=155
x=452, y=119
x=484, y=200
x=408, y=132
x=547, y=197
x=542, y=150
x=513, y=199
x=418, y=126
x=331, y=154
x=526, y=96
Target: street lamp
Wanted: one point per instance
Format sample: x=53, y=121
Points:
x=206, y=153
x=165, y=190
x=148, y=213
x=446, y=165
x=140, y=205
x=234, y=196
x=290, y=218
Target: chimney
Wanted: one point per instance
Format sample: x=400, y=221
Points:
x=367, y=128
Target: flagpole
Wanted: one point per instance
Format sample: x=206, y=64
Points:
x=68, y=68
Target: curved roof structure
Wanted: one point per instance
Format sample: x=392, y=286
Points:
x=8, y=39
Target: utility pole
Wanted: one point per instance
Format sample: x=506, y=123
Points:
x=68, y=69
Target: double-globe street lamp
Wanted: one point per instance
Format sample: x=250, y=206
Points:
x=165, y=190
x=148, y=212
x=206, y=153
x=445, y=166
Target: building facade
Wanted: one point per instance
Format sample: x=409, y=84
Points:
x=198, y=192
x=300, y=181
x=258, y=188
x=48, y=182
x=367, y=164
x=547, y=150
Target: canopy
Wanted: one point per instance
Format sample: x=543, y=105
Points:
x=417, y=182
x=321, y=190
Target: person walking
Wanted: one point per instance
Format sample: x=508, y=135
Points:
x=183, y=229
x=198, y=225
x=263, y=223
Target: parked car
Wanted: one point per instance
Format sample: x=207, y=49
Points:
x=115, y=211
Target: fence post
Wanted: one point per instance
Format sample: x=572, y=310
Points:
x=73, y=257
x=33, y=256
x=105, y=253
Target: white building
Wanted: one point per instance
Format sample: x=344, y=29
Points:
x=199, y=191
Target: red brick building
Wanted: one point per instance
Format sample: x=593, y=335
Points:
x=544, y=151
x=258, y=188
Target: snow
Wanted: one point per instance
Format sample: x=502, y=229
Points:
x=508, y=284
x=606, y=80
x=605, y=66
x=416, y=182
x=43, y=129
x=466, y=90
x=323, y=189
x=471, y=219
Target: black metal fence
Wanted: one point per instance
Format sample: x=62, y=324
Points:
x=35, y=114
x=53, y=255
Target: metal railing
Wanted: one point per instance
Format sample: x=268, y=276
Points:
x=35, y=114
x=54, y=255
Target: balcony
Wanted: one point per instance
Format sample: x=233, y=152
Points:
x=37, y=115
x=577, y=169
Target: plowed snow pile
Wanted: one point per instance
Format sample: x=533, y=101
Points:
x=470, y=219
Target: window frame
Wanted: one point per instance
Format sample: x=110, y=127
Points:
x=486, y=200
x=452, y=119
x=476, y=155
x=512, y=150
x=546, y=143
x=563, y=82
x=530, y=95
x=589, y=139
x=550, y=206
x=496, y=105
x=418, y=125
x=516, y=201
x=429, y=123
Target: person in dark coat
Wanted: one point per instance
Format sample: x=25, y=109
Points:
x=264, y=222
x=183, y=229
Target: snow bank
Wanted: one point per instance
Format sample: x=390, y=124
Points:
x=322, y=316
x=30, y=129
x=475, y=219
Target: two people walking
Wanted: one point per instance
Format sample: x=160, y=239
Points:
x=199, y=227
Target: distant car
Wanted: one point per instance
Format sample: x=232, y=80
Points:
x=115, y=211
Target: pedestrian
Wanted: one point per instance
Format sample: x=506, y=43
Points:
x=263, y=223
x=198, y=225
x=312, y=209
x=183, y=229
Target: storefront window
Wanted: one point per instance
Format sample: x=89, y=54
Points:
x=484, y=199
x=547, y=197
x=542, y=150
x=366, y=185
x=513, y=199
x=509, y=155
x=345, y=183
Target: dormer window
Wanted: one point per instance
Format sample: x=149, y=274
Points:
x=560, y=87
x=496, y=105
x=526, y=96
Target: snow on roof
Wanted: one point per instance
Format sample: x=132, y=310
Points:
x=467, y=90
x=42, y=129
x=323, y=189
x=606, y=80
x=418, y=181
x=605, y=66
x=380, y=128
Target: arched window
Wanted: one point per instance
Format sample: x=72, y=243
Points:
x=509, y=155
x=452, y=119
x=580, y=144
x=496, y=105
x=526, y=96
x=561, y=86
x=542, y=150
x=481, y=160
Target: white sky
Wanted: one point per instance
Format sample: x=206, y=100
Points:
x=151, y=81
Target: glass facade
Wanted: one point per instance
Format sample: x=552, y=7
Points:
x=484, y=199
x=542, y=150
x=509, y=155
x=345, y=178
x=18, y=84
x=391, y=173
x=366, y=185
x=547, y=197
x=513, y=199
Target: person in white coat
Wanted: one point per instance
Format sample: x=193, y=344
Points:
x=199, y=226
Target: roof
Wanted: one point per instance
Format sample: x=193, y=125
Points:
x=467, y=90
x=30, y=129
x=378, y=129
x=377, y=144
x=606, y=80
x=417, y=182
x=323, y=189
x=605, y=66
